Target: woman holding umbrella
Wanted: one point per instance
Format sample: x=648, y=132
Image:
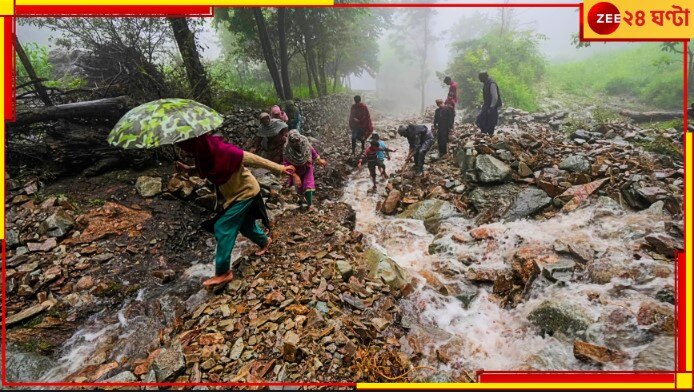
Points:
x=223, y=164
x=187, y=124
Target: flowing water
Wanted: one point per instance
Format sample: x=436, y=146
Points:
x=481, y=335
x=130, y=332
x=484, y=335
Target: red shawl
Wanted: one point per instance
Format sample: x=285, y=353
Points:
x=215, y=159
x=361, y=112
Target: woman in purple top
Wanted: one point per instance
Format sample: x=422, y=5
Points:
x=299, y=153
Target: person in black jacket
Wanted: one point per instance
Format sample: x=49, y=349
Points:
x=489, y=115
x=443, y=123
x=420, y=139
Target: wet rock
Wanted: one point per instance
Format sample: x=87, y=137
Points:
x=666, y=294
x=559, y=271
x=428, y=209
x=344, y=268
x=48, y=245
x=490, y=169
x=529, y=261
x=390, y=205
x=85, y=283
x=581, y=134
x=290, y=346
x=169, y=363
x=207, y=201
x=658, y=355
x=125, y=376
x=148, y=186
x=498, y=197
x=575, y=164
x=57, y=225
x=524, y=170
x=381, y=267
x=236, y=349
x=651, y=194
x=617, y=327
x=103, y=257
x=314, y=319
x=353, y=301
x=602, y=271
x=380, y=323
x=467, y=295
x=597, y=354
x=11, y=238
x=657, y=316
x=664, y=244
x=559, y=315
x=165, y=276
x=484, y=273
x=528, y=202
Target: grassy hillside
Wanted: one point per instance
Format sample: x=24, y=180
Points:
x=644, y=73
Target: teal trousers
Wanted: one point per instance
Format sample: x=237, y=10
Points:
x=236, y=219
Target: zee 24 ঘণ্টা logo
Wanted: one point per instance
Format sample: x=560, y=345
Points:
x=604, y=18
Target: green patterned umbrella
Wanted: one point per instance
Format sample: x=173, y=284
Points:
x=165, y=121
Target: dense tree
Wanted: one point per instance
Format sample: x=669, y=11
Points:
x=197, y=76
x=118, y=51
x=313, y=45
x=513, y=60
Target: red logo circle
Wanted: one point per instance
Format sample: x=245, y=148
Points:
x=604, y=18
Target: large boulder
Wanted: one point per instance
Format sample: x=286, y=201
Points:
x=381, y=267
x=557, y=315
x=490, y=169
x=431, y=211
x=575, y=164
x=528, y=202
x=498, y=197
x=57, y=225
x=148, y=186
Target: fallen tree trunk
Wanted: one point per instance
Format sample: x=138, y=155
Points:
x=650, y=116
x=107, y=108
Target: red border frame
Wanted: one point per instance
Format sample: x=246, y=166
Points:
x=482, y=376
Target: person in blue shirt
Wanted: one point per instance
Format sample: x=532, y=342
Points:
x=374, y=156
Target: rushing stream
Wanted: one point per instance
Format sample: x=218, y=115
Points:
x=459, y=328
x=484, y=335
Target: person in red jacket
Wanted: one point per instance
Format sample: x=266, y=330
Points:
x=452, y=97
x=360, y=123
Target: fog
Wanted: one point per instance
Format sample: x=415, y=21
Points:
x=556, y=24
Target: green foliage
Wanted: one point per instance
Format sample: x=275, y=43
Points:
x=641, y=73
x=38, y=56
x=662, y=145
x=603, y=115
x=512, y=59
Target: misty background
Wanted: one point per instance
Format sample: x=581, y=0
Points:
x=395, y=79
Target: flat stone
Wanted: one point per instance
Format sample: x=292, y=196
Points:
x=597, y=354
x=148, y=186
x=169, y=363
x=490, y=169
x=344, y=268
x=527, y=203
x=575, y=164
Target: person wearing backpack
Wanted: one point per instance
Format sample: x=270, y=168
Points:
x=489, y=114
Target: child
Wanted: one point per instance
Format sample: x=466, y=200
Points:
x=371, y=155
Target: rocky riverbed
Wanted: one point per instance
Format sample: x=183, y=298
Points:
x=544, y=247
